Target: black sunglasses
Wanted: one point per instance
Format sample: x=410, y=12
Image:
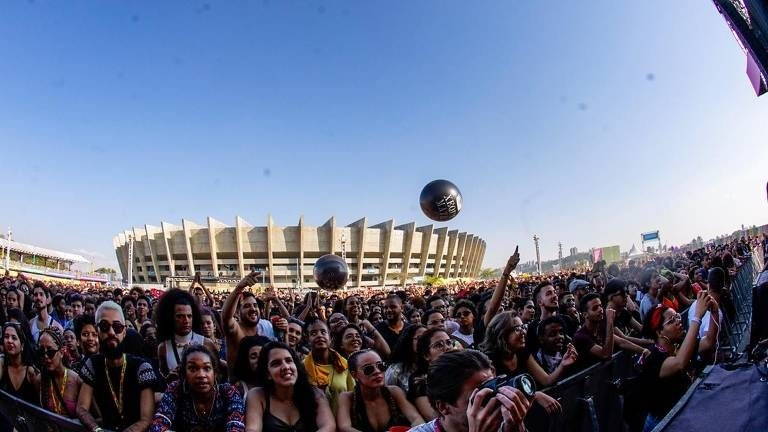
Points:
x=50, y=353
x=370, y=369
x=117, y=326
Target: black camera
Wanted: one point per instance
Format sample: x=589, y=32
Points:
x=522, y=382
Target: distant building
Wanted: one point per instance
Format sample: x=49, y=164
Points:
x=573, y=251
x=378, y=255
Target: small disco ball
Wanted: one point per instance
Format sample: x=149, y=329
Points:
x=331, y=272
x=440, y=200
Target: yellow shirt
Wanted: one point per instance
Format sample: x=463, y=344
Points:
x=332, y=379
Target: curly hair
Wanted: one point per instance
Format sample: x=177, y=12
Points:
x=338, y=337
x=165, y=313
x=303, y=391
x=191, y=349
x=495, y=345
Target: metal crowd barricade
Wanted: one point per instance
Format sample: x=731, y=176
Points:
x=25, y=417
x=737, y=325
x=591, y=399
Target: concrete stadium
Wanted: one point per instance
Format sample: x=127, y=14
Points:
x=377, y=255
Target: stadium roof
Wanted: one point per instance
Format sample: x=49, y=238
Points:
x=42, y=252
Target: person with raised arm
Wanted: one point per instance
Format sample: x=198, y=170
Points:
x=501, y=287
x=249, y=323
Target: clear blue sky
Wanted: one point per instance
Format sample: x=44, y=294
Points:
x=586, y=122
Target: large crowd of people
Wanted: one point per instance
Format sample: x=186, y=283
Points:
x=414, y=358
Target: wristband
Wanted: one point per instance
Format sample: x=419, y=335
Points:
x=696, y=320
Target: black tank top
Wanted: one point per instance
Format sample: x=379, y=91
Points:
x=360, y=417
x=274, y=424
x=26, y=390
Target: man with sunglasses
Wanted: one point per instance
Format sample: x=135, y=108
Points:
x=122, y=384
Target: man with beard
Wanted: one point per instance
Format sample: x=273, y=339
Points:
x=391, y=328
x=545, y=296
x=41, y=298
x=121, y=383
x=250, y=322
x=178, y=325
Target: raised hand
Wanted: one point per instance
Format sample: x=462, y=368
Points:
x=512, y=262
x=249, y=280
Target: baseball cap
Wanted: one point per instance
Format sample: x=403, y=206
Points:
x=578, y=284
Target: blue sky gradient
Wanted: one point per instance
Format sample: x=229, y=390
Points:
x=585, y=122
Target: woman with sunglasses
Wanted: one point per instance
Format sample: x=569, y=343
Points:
x=666, y=370
x=504, y=344
x=431, y=345
x=284, y=399
x=18, y=376
x=404, y=359
x=59, y=385
x=197, y=401
x=373, y=406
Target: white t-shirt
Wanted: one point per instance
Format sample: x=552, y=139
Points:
x=467, y=339
x=704, y=327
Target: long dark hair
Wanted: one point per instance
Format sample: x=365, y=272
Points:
x=404, y=352
x=338, y=338
x=242, y=368
x=303, y=391
x=27, y=350
x=422, y=349
x=165, y=316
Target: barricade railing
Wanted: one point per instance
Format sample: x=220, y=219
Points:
x=25, y=417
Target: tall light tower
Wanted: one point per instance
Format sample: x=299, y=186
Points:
x=536, y=239
x=344, y=247
x=560, y=254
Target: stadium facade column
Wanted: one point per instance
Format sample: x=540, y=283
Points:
x=214, y=227
x=452, y=236
x=120, y=242
x=442, y=234
x=426, y=240
x=300, y=259
x=466, y=262
x=151, y=231
x=166, y=229
x=240, y=227
x=408, y=231
x=361, y=225
x=386, y=244
x=140, y=252
x=459, y=254
x=187, y=226
x=270, y=259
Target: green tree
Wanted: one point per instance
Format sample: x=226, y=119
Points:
x=435, y=281
x=105, y=270
x=489, y=273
